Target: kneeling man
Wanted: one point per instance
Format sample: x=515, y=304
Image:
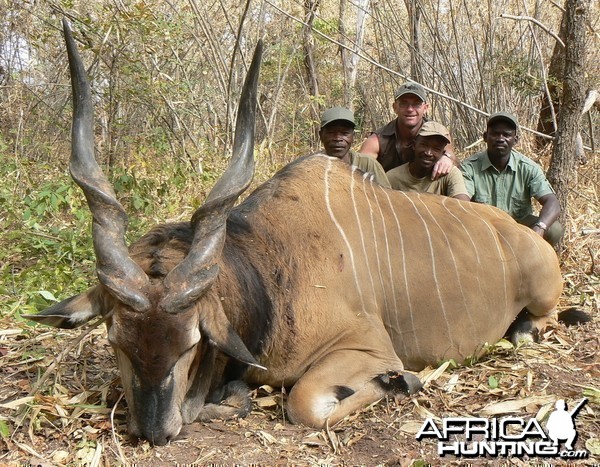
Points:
x=507, y=179
x=432, y=139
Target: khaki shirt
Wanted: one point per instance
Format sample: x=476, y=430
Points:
x=510, y=190
x=369, y=165
x=451, y=184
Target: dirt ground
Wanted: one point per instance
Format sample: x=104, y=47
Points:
x=77, y=416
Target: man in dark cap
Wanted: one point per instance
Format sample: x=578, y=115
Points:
x=393, y=144
x=431, y=140
x=337, y=137
x=505, y=178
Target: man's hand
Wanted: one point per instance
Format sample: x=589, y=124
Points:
x=538, y=230
x=442, y=167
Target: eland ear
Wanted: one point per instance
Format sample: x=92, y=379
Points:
x=215, y=324
x=72, y=312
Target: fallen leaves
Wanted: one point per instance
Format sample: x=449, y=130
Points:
x=515, y=406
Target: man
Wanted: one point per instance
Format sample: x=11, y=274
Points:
x=429, y=147
x=337, y=137
x=393, y=144
x=505, y=178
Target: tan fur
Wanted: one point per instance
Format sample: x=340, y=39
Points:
x=342, y=281
x=502, y=268
x=468, y=271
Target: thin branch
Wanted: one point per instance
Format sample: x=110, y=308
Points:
x=236, y=47
x=379, y=65
x=536, y=22
x=592, y=98
x=70, y=346
x=544, y=78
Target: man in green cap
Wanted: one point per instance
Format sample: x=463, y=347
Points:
x=505, y=178
x=393, y=144
x=429, y=146
x=337, y=137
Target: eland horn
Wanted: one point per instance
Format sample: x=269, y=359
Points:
x=114, y=267
x=194, y=275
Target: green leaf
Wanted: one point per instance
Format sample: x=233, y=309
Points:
x=4, y=431
x=593, y=445
x=48, y=295
x=592, y=394
x=493, y=382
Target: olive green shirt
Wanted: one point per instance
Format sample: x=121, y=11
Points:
x=369, y=165
x=451, y=184
x=510, y=190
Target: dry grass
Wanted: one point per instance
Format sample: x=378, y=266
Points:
x=61, y=402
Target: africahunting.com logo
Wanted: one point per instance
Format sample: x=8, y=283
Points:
x=508, y=436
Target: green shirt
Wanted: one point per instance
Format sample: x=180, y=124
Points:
x=451, y=184
x=369, y=165
x=510, y=190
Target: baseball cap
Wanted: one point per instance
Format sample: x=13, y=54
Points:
x=411, y=88
x=506, y=116
x=337, y=113
x=434, y=129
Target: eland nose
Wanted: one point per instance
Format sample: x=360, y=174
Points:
x=157, y=437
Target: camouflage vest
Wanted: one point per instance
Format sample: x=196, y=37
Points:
x=392, y=152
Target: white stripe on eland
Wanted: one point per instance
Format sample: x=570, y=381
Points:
x=516, y=262
x=407, y=289
x=390, y=284
x=341, y=231
x=375, y=242
x=499, y=251
x=433, y=266
x=470, y=237
x=456, y=272
x=359, y=225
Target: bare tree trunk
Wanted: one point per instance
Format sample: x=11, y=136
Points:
x=345, y=53
x=562, y=165
x=310, y=7
x=551, y=99
x=362, y=10
x=350, y=59
x=414, y=14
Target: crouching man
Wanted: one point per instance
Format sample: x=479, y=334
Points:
x=505, y=178
x=337, y=137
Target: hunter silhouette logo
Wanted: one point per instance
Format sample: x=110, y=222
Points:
x=507, y=436
x=561, y=424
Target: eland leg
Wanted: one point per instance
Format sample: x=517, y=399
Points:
x=345, y=381
x=527, y=326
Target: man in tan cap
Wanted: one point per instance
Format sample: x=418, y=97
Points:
x=337, y=137
x=429, y=147
x=393, y=144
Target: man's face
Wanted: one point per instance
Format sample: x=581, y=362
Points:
x=500, y=137
x=410, y=110
x=428, y=150
x=337, y=138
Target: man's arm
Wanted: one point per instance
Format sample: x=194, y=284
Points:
x=370, y=165
x=549, y=212
x=380, y=175
x=444, y=165
x=456, y=185
x=467, y=172
x=370, y=146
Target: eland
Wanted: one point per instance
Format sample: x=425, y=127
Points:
x=320, y=280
